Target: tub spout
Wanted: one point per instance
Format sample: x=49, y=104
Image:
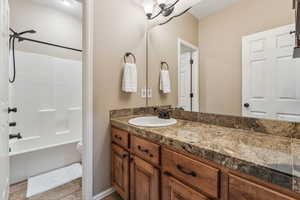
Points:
x=18, y=136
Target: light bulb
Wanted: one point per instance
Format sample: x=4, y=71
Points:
x=66, y=3
x=148, y=7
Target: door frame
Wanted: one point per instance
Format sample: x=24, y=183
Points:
x=87, y=83
x=87, y=98
x=196, y=72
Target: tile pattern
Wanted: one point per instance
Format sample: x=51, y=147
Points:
x=265, y=156
x=69, y=191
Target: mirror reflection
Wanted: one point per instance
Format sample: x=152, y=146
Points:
x=232, y=57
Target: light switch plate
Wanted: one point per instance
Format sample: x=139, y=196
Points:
x=143, y=93
x=149, y=91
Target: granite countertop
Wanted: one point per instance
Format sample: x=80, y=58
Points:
x=272, y=158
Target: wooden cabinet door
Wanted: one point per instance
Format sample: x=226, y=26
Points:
x=242, y=189
x=120, y=171
x=175, y=190
x=144, y=179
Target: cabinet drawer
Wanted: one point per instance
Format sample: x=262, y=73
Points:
x=201, y=176
x=242, y=189
x=120, y=137
x=146, y=150
x=175, y=190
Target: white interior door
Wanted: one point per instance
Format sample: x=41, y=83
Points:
x=286, y=76
x=271, y=84
x=256, y=79
x=185, y=80
x=4, y=161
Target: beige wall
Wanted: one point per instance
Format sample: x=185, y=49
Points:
x=221, y=48
x=119, y=28
x=52, y=25
x=163, y=42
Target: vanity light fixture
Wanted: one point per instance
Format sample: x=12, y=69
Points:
x=161, y=3
x=165, y=8
x=148, y=7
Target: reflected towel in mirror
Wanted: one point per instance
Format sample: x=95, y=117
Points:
x=165, y=83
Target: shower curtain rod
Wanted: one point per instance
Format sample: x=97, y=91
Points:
x=46, y=43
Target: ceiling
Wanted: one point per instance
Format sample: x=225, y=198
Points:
x=209, y=7
x=74, y=7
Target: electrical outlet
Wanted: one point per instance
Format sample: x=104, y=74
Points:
x=149, y=91
x=143, y=93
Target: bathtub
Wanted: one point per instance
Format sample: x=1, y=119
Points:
x=24, y=164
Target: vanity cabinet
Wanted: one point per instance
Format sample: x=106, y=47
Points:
x=143, y=170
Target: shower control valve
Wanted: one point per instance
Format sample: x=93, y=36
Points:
x=18, y=136
x=12, y=124
x=12, y=110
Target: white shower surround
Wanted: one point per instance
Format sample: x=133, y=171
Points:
x=48, y=95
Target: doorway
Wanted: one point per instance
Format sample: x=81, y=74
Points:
x=188, y=78
x=87, y=88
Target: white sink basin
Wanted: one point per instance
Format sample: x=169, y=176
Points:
x=152, y=121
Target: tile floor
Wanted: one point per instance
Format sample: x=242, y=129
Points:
x=69, y=191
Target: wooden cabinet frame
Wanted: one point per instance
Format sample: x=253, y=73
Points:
x=166, y=186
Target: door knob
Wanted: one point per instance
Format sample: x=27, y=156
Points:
x=246, y=105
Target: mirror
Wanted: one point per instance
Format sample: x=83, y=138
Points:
x=232, y=57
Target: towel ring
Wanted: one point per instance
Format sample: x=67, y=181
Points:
x=129, y=54
x=164, y=64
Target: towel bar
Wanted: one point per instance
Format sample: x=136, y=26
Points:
x=129, y=54
x=164, y=64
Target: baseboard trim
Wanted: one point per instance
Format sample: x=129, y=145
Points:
x=104, y=194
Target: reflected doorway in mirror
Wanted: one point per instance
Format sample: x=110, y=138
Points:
x=188, y=77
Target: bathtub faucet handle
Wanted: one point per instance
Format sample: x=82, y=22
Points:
x=12, y=110
x=18, y=136
x=12, y=124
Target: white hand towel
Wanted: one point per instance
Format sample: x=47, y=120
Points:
x=129, y=82
x=165, y=83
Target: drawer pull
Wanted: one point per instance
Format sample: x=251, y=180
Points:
x=118, y=137
x=188, y=172
x=143, y=150
x=125, y=155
